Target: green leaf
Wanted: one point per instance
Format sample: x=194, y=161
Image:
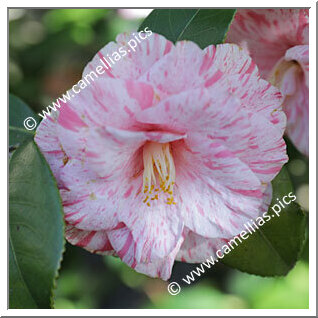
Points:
x=273, y=249
x=36, y=229
x=18, y=112
x=202, y=26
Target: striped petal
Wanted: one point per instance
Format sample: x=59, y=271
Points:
x=93, y=241
x=106, y=102
x=241, y=76
x=156, y=229
x=197, y=248
x=134, y=60
x=126, y=248
x=47, y=139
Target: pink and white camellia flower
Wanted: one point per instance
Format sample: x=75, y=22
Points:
x=277, y=40
x=167, y=153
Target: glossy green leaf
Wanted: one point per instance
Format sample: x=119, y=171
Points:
x=273, y=249
x=202, y=26
x=18, y=112
x=36, y=229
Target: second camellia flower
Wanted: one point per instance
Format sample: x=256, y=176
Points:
x=277, y=40
x=167, y=153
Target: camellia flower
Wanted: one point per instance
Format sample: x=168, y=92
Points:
x=277, y=40
x=166, y=153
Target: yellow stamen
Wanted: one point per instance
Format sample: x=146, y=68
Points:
x=159, y=171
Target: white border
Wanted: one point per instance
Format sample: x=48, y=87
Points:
x=312, y=164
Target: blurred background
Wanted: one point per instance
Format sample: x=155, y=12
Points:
x=48, y=49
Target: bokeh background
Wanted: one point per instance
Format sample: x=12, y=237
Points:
x=48, y=49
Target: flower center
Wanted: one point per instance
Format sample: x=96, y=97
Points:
x=159, y=172
x=284, y=76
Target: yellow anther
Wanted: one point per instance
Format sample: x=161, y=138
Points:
x=145, y=200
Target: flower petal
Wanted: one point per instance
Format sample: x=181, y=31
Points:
x=193, y=111
x=213, y=208
x=161, y=268
x=106, y=101
x=125, y=246
x=47, y=139
x=242, y=78
x=197, y=248
x=297, y=111
x=93, y=241
x=135, y=59
x=177, y=71
x=87, y=199
x=300, y=53
x=156, y=229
